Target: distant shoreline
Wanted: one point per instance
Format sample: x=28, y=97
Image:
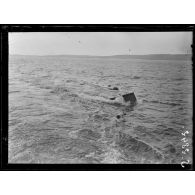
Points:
x=147, y=57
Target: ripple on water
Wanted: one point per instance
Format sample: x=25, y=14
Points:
x=59, y=113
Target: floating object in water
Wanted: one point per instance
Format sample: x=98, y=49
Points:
x=114, y=88
x=113, y=98
x=130, y=97
x=118, y=116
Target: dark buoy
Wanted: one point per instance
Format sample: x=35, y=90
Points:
x=113, y=98
x=130, y=97
x=118, y=116
x=115, y=88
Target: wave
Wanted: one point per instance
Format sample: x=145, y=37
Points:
x=59, y=90
x=160, y=102
x=134, y=146
x=167, y=132
x=136, y=77
x=14, y=91
x=132, y=77
x=89, y=134
x=179, y=79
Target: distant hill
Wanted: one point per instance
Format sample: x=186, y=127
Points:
x=146, y=57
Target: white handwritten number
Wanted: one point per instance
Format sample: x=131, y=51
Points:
x=184, y=139
x=185, y=145
x=186, y=150
x=184, y=162
x=186, y=132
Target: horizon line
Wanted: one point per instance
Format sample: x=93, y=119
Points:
x=100, y=55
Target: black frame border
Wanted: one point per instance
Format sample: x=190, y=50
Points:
x=4, y=57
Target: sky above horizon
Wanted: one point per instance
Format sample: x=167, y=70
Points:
x=99, y=43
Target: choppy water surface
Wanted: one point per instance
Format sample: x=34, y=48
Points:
x=59, y=110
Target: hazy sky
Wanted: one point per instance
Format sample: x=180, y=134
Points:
x=99, y=43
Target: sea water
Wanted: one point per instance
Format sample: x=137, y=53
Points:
x=60, y=110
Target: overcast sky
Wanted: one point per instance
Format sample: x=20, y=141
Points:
x=99, y=43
